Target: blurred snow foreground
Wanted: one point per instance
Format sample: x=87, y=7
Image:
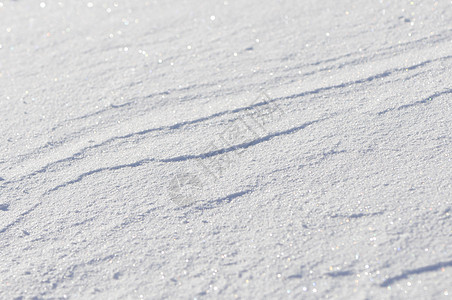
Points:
x=225, y=149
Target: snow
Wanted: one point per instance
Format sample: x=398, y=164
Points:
x=225, y=149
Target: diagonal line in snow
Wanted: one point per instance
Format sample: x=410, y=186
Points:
x=363, y=80
x=241, y=146
x=20, y=217
x=216, y=202
x=423, y=101
x=80, y=177
x=425, y=269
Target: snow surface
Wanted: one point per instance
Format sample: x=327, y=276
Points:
x=225, y=149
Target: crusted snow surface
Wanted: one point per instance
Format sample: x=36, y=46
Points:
x=225, y=149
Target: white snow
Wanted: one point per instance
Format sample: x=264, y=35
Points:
x=225, y=149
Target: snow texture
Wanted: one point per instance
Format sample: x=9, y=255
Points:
x=225, y=149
